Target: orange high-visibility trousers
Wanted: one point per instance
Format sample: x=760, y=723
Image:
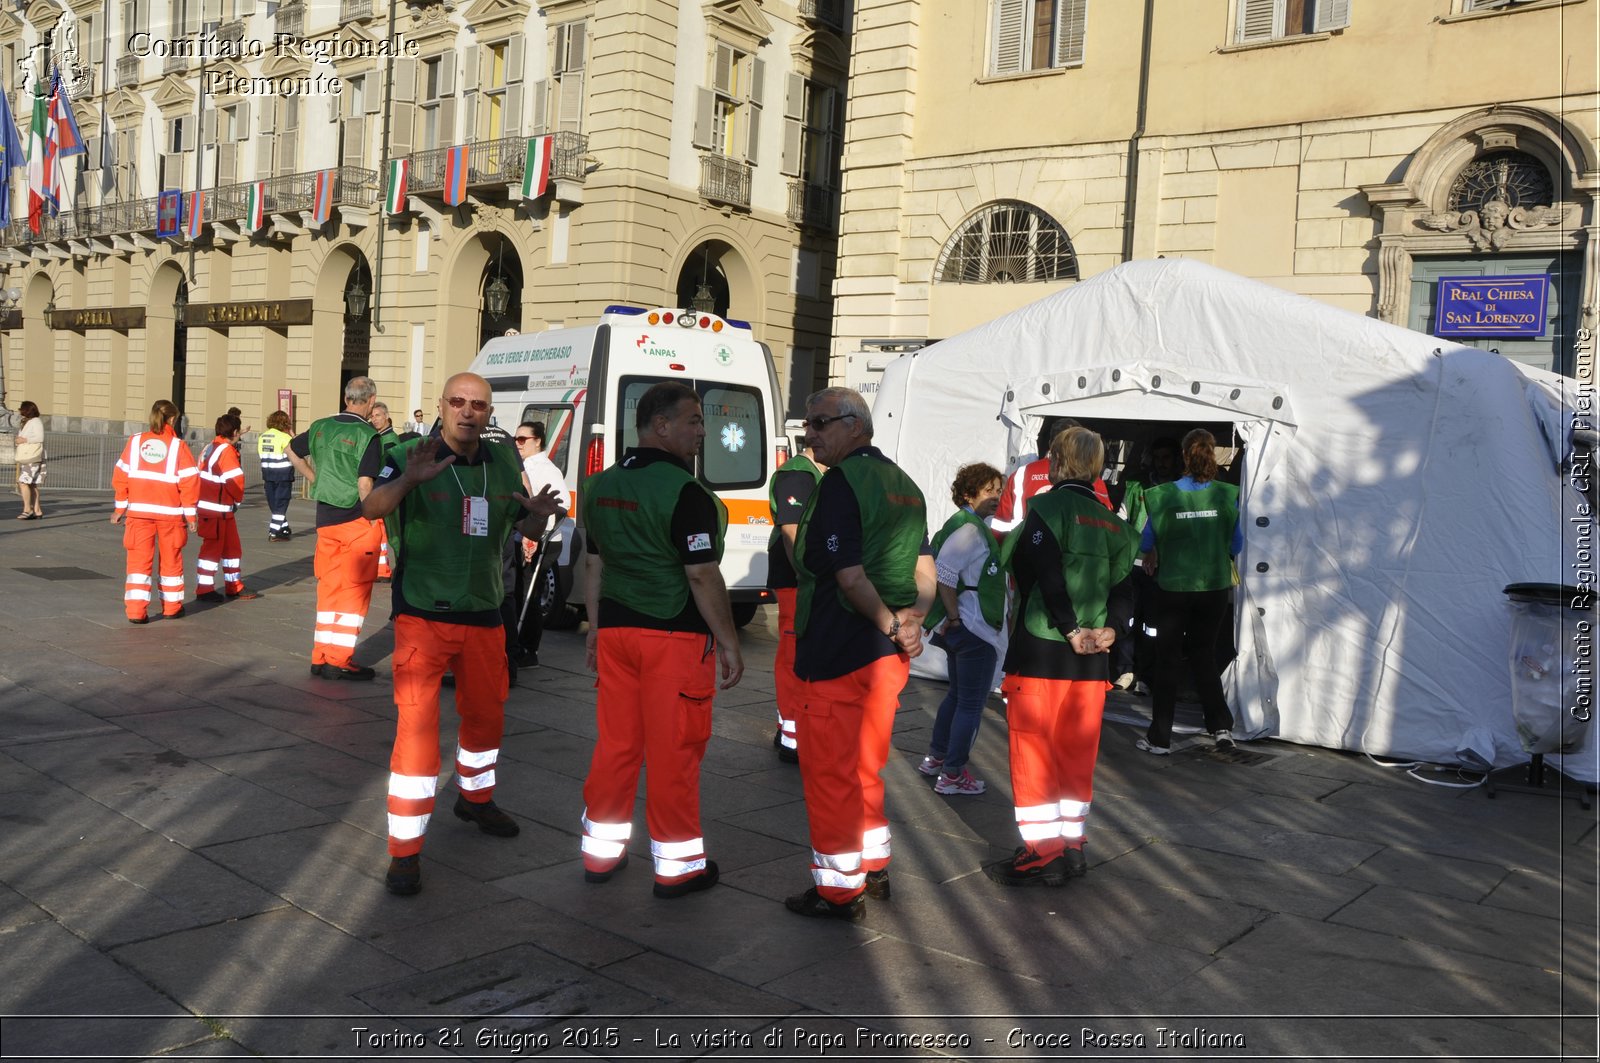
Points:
x=385, y=571
x=423, y=651
x=140, y=536
x=220, y=551
x=346, y=563
x=1055, y=741
x=845, y=725
x=653, y=707
x=790, y=690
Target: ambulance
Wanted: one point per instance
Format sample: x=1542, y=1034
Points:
x=584, y=383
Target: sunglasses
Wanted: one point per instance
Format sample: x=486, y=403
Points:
x=523, y=439
x=456, y=402
x=819, y=423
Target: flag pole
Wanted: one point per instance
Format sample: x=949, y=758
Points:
x=383, y=170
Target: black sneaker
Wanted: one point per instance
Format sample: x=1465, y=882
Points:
x=209, y=596
x=1223, y=739
x=339, y=671
x=316, y=670
x=405, y=875
x=138, y=619
x=814, y=905
x=703, y=881
x=878, y=885
x=785, y=754
x=1028, y=868
x=488, y=816
x=605, y=876
x=1077, y=864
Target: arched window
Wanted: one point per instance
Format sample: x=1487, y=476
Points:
x=1514, y=177
x=1007, y=243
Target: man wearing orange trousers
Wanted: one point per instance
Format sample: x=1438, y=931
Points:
x=660, y=627
x=867, y=579
x=221, y=491
x=157, y=486
x=329, y=454
x=456, y=499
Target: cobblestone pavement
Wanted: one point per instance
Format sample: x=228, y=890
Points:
x=192, y=856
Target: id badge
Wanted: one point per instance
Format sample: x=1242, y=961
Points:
x=475, y=516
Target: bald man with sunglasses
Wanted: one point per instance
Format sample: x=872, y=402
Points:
x=457, y=498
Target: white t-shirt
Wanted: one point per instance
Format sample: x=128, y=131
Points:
x=961, y=560
x=542, y=473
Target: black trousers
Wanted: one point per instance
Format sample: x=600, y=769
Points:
x=1189, y=634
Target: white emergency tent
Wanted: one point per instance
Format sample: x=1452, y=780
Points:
x=1393, y=485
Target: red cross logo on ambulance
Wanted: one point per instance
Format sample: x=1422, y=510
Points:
x=153, y=451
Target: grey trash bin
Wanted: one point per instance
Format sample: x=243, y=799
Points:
x=1544, y=666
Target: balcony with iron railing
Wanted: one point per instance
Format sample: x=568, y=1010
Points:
x=355, y=10
x=725, y=180
x=127, y=71
x=291, y=19
x=499, y=162
x=814, y=206
x=353, y=187
x=827, y=12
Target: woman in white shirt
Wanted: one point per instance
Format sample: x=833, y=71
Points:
x=30, y=460
x=970, y=614
x=538, y=472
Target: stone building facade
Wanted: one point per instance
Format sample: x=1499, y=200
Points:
x=1354, y=151
x=694, y=159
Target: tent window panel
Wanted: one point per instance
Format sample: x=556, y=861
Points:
x=1007, y=243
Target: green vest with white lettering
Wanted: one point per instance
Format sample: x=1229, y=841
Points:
x=1097, y=552
x=1194, y=532
x=991, y=585
x=798, y=463
x=894, y=521
x=443, y=569
x=629, y=512
x=336, y=450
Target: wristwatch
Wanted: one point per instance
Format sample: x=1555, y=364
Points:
x=894, y=627
x=1074, y=633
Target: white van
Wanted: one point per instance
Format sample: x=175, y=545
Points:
x=584, y=383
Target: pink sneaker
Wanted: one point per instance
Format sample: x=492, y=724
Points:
x=964, y=783
x=930, y=765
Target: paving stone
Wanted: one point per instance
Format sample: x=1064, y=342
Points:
x=687, y=987
x=137, y=886
x=1254, y=883
x=303, y=712
x=371, y=741
x=17, y=910
x=1529, y=833
x=205, y=732
x=1467, y=880
x=55, y=819
x=455, y=938
x=1569, y=899
x=17, y=777
x=311, y=774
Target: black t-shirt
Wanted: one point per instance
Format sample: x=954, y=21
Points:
x=694, y=521
x=1037, y=566
x=328, y=516
x=838, y=641
x=792, y=489
x=376, y=463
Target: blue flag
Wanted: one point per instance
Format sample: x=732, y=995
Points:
x=10, y=155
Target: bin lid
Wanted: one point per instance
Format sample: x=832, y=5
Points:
x=1551, y=594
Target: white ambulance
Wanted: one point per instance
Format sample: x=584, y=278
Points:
x=584, y=383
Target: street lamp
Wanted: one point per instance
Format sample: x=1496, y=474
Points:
x=703, y=302
x=497, y=297
x=355, y=300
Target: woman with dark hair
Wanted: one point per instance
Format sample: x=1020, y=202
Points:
x=1190, y=540
x=970, y=614
x=1071, y=559
x=157, y=488
x=30, y=460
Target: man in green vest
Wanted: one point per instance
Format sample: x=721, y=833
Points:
x=384, y=426
x=660, y=625
x=787, y=496
x=455, y=499
x=328, y=455
x=867, y=580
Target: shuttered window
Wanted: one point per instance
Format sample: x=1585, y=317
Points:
x=1030, y=35
x=1271, y=20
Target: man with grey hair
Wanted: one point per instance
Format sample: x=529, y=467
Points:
x=867, y=579
x=328, y=455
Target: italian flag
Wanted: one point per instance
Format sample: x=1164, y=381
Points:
x=536, y=168
x=256, y=207
x=394, y=198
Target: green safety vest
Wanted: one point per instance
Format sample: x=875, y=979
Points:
x=798, y=463
x=1133, y=502
x=445, y=570
x=1097, y=550
x=336, y=450
x=894, y=521
x=991, y=585
x=1194, y=535
x=389, y=439
x=629, y=513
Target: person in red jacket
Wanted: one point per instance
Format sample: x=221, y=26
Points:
x=1032, y=477
x=221, y=491
x=157, y=486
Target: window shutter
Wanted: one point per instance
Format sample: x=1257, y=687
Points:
x=559, y=64
x=469, y=69
x=264, y=152
x=97, y=44
x=241, y=120
x=1331, y=15
x=516, y=59
x=513, y=112
x=723, y=75
x=227, y=164
x=794, y=97
x=1010, y=21
x=758, y=81
x=355, y=142
x=447, y=124
x=571, y=117
x=208, y=126
x=191, y=17
x=1260, y=20
x=269, y=117
x=130, y=18
x=375, y=98
x=447, y=74
x=172, y=171
x=577, y=45
x=470, y=129
x=142, y=16
x=1070, y=26
x=401, y=124
x=752, y=123
x=242, y=8
x=91, y=156
x=794, y=102
x=705, y=102
x=541, y=106
x=287, y=153
x=405, y=81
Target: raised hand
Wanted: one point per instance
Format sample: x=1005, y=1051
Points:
x=424, y=464
x=547, y=503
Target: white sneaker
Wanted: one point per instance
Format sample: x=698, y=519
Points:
x=931, y=765
x=1159, y=751
x=1124, y=681
x=1223, y=739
